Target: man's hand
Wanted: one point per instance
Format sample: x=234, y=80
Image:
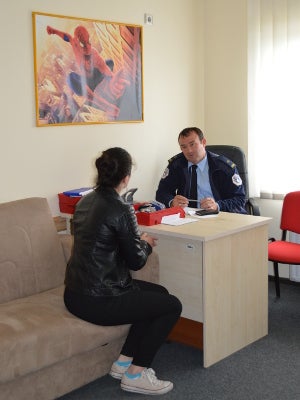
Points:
x=209, y=204
x=179, y=201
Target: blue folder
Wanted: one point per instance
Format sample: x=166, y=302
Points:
x=76, y=192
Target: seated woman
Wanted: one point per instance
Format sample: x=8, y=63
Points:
x=99, y=287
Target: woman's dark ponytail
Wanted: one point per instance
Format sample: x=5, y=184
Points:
x=113, y=165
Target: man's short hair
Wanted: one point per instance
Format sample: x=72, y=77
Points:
x=187, y=131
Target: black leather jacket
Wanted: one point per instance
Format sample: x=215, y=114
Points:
x=107, y=245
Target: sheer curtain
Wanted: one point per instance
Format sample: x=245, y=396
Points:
x=274, y=96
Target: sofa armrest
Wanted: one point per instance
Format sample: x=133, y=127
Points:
x=150, y=271
x=66, y=241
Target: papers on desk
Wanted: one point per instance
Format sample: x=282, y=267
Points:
x=175, y=220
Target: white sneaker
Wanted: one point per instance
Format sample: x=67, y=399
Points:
x=147, y=383
x=117, y=371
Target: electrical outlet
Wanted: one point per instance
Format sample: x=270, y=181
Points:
x=148, y=19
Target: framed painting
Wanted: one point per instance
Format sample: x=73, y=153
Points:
x=86, y=71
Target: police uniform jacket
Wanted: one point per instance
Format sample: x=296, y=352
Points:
x=107, y=245
x=226, y=184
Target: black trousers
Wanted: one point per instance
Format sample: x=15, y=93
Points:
x=151, y=311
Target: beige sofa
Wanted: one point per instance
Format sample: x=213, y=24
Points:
x=45, y=351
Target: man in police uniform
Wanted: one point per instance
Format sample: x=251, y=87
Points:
x=219, y=185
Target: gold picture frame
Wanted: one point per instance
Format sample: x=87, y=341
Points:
x=86, y=71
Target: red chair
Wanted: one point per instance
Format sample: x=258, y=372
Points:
x=282, y=251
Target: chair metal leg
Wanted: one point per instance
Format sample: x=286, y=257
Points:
x=276, y=278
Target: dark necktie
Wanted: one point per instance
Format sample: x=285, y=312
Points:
x=193, y=188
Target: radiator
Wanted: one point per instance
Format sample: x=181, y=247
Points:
x=294, y=269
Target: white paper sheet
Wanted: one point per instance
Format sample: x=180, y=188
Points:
x=175, y=220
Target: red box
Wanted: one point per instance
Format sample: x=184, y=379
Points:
x=67, y=204
x=155, y=217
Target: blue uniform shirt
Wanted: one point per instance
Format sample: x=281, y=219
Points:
x=203, y=184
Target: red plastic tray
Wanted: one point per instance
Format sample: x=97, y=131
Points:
x=155, y=217
x=67, y=204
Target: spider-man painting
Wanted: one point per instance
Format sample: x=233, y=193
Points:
x=87, y=72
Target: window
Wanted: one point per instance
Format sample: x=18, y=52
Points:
x=274, y=96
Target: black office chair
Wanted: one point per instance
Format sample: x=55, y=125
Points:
x=237, y=155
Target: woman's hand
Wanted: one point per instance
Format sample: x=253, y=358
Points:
x=149, y=239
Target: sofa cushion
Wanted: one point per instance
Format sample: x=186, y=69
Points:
x=38, y=331
x=31, y=257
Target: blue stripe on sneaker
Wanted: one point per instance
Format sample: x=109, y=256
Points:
x=123, y=363
x=132, y=376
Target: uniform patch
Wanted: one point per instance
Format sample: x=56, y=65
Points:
x=165, y=174
x=236, y=179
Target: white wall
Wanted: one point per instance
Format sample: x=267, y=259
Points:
x=225, y=76
x=45, y=161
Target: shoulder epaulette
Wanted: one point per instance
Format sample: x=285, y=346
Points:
x=174, y=158
x=227, y=161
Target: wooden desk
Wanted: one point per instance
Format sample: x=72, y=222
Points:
x=218, y=268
